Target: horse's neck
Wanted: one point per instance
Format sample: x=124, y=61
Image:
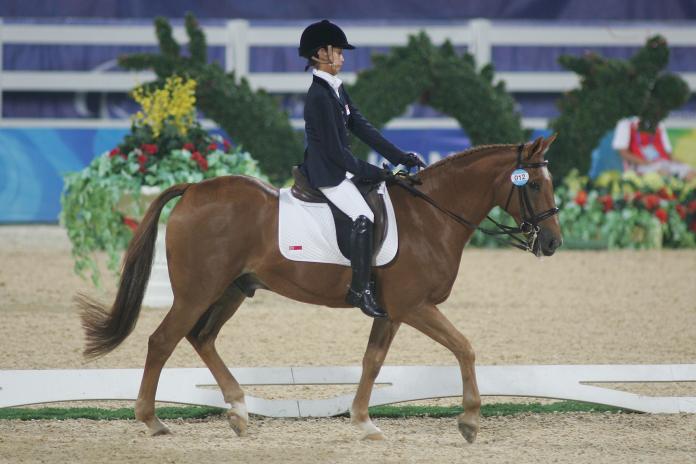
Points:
x=465, y=185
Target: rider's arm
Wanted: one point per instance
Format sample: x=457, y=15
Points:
x=366, y=132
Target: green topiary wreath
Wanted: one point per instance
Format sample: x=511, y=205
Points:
x=438, y=76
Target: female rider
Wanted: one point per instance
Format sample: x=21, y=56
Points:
x=329, y=165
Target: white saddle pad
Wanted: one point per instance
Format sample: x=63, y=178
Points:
x=306, y=232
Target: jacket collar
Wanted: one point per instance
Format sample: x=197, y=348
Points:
x=333, y=81
x=319, y=81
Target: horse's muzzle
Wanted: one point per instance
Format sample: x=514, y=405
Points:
x=549, y=242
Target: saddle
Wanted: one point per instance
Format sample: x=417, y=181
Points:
x=303, y=191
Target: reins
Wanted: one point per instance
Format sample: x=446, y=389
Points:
x=529, y=226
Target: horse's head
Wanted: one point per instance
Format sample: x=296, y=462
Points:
x=527, y=195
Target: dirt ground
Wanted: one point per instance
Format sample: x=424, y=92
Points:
x=573, y=308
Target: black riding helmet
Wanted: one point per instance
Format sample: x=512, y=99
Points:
x=321, y=34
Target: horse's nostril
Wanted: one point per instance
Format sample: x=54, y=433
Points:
x=552, y=244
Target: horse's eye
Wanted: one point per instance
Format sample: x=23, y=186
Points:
x=534, y=186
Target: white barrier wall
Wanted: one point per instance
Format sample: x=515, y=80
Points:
x=398, y=384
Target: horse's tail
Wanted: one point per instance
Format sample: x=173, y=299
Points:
x=105, y=330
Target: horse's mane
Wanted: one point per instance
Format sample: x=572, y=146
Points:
x=481, y=149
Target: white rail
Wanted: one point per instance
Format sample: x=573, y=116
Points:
x=238, y=36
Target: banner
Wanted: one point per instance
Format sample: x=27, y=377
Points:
x=34, y=160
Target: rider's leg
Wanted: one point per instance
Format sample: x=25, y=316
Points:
x=346, y=197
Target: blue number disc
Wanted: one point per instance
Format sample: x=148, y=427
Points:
x=519, y=177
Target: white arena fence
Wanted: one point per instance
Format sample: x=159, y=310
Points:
x=394, y=384
x=238, y=36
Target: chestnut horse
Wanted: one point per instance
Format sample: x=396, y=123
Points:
x=222, y=244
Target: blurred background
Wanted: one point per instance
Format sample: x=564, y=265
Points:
x=65, y=100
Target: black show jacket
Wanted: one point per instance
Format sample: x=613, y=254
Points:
x=327, y=155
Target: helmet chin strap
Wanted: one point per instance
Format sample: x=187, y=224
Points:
x=329, y=50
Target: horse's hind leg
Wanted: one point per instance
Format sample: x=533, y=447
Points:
x=434, y=324
x=203, y=336
x=176, y=324
x=381, y=336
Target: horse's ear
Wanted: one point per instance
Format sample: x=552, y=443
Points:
x=535, y=147
x=548, y=142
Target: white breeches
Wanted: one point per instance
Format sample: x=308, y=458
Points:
x=346, y=197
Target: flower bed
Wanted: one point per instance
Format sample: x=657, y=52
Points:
x=621, y=211
x=103, y=203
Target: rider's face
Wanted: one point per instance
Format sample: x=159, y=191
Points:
x=336, y=58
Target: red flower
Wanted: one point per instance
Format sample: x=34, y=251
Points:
x=149, y=148
x=681, y=211
x=198, y=158
x=212, y=147
x=226, y=144
x=114, y=152
x=607, y=202
x=130, y=222
x=637, y=196
x=581, y=198
x=664, y=194
x=651, y=201
x=189, y=146
x=691, y=206
x=142, y=160
x=661, y=214
x=692, y=227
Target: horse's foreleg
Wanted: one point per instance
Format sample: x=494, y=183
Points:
x=381, y=336
x=203, y=336
x=434, y=324
x=176, y=324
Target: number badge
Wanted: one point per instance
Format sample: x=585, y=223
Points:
x=519, y=177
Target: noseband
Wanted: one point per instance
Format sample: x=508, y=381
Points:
x=529, y=226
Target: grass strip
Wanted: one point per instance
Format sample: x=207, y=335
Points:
x=491, y=410
x=201, y=412
x=175, y=412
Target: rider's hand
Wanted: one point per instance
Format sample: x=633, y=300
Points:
x=385, y=175
x=412, y=160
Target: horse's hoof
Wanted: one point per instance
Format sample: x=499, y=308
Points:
x=159, y=429
x=370, y=430
x=468, y=431
x=238, y=417
x=377, y=436
x=237, y=423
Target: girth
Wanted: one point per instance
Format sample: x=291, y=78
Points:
x=303, y=191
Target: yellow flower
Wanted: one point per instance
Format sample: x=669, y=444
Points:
x=653, y=181
x=175, y=103
x=607, y=178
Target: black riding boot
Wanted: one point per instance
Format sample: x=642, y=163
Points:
x=360, y=293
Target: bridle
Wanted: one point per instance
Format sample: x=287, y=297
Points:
x=529, y=226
